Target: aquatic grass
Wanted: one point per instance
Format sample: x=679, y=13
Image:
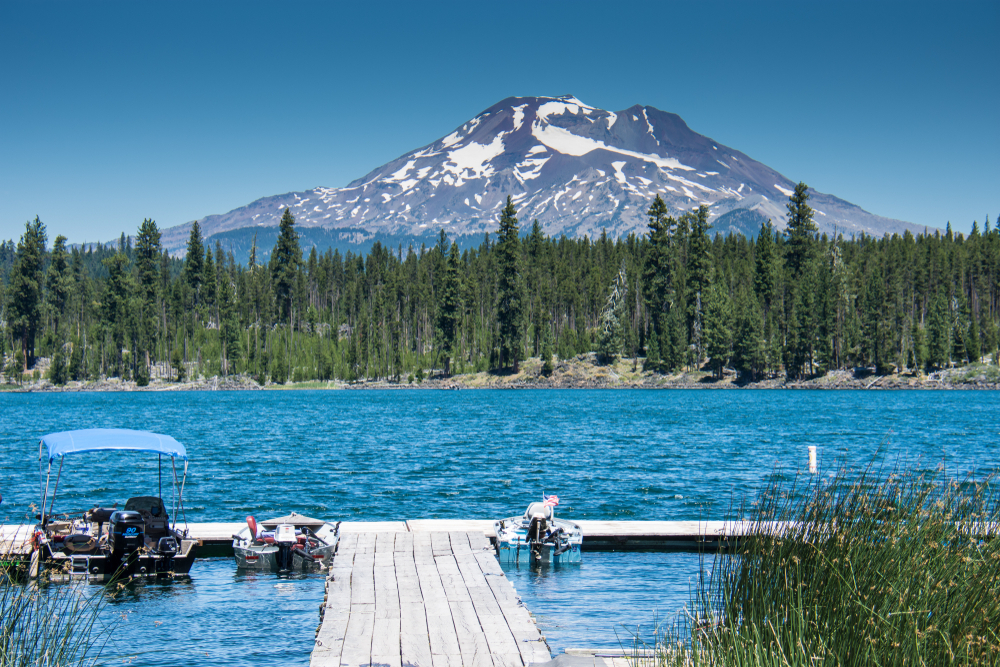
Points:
x=875, y=568
x=50, y=626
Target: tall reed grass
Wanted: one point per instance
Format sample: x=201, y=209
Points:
x=864, y=569
x=49, y=626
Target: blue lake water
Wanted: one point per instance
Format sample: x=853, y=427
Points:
x=383, y=455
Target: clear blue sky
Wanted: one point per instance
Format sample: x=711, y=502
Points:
x=115, y=111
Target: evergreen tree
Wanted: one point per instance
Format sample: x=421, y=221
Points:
x=58, y=283
x=115, y=306
x=972, y=343
x=718, y=327
x=286, y=261
x=77, y=370
x=57, y=369
x=25, y=291
x=279, y=365
x=657, y=275
x=750, y=342
x=229, y=325
x=148, y=265
x=919, y=347
x=766, y=267
x=547, y=367
x=800, y=231
x=194, y=261
x=939, y=333
x=449, y=310
x=510, y=289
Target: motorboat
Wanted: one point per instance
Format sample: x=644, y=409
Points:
x=538, y=536
x=142, y=540
x=286, y=543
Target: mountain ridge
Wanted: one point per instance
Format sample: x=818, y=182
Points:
x=577, y=169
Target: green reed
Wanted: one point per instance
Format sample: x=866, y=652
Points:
x=863, y=569
x=50, y=626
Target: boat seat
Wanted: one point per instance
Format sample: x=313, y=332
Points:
x=154, y=515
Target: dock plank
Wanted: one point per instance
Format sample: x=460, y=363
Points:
x=423, y=599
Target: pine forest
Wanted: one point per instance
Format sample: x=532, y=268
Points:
x=789, y=304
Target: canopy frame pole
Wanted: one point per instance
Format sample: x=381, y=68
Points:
x=43, y=490
x=159, y=476
x=52, y=502
x=181, y=496
x=173, y=465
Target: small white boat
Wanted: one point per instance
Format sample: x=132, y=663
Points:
x=538, y=536
x=286, y=543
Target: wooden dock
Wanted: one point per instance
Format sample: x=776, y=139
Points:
x=215, y=539
x=422, y=599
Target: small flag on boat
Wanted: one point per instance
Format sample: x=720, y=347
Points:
x=552, y=501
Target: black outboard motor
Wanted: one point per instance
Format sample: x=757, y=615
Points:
x=127, y=539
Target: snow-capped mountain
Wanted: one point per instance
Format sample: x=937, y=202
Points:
x=577, y=169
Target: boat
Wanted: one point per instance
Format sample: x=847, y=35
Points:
x=538, y=536
x=142, y=540
x=286, y=543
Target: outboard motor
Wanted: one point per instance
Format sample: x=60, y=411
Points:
x=166, y=546
x=127, y=538
x=539, y=515
x=285, y=538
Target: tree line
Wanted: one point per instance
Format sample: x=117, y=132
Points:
x=792, y=303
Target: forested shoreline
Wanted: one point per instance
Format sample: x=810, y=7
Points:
x=790, y=304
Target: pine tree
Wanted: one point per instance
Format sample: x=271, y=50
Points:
x=149, y=263
x=194, y=261
x=750, y=342
x=510, y=289
x=58, y=283
x=229, y=335
x=800, y=231
x=115, y=305
x=449, y=308
x=546, y=353
x=286, y=261
x=25, y=290
x=972, y=342
x=718, y=327
x=57, y=369
x=918, y=341
x=939, y=333
x=766, y=268
x=657, y=273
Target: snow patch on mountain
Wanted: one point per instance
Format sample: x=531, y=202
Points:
x=576, y=168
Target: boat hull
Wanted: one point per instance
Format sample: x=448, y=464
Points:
x=252, y=555
x=102, y=567
x=513, y=546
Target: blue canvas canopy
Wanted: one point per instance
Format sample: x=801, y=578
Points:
x=103, y=439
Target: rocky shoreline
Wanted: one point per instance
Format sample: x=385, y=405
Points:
x=581, y=372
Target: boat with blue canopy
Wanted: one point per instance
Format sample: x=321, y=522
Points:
x=104, y=543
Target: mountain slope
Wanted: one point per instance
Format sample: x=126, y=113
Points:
x=577, y=169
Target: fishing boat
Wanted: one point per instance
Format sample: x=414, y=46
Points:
x=286, y=543
x=104, y=543
x=538, y=536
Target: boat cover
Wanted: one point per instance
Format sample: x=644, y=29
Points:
x=101, y=439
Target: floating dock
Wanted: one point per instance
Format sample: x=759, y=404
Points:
x=215, y=539
x=422, y=599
